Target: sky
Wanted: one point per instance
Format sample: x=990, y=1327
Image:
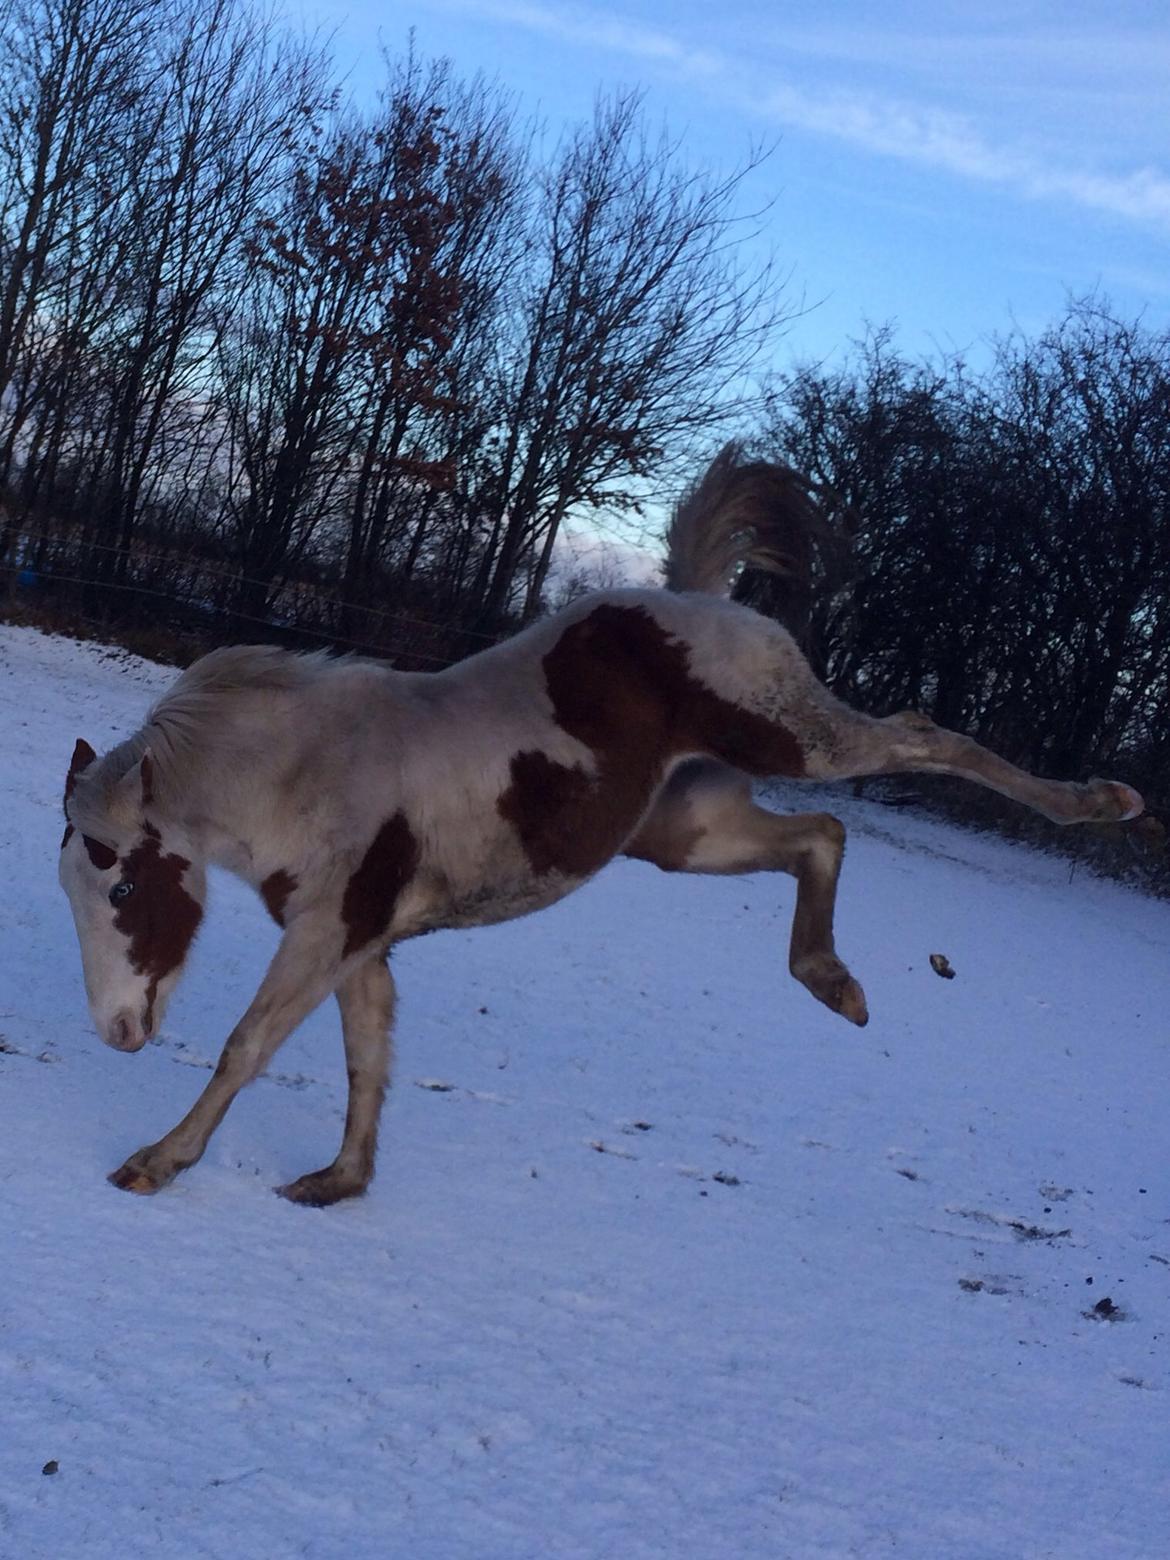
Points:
x=950, y=169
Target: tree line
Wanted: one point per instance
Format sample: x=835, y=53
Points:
x=270, y=353
x=1007, y=567
x=270, y=357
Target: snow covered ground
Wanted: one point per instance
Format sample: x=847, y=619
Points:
x=674, y=1264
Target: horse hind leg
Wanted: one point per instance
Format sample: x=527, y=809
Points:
x=705, y=821
x=911, y=743
x=366, y=1000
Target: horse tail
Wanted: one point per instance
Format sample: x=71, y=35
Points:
x=742, y=514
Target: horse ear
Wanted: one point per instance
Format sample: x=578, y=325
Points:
x=83, y=757
x=135, y=790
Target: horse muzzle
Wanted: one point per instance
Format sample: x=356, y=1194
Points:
x=125, y=1032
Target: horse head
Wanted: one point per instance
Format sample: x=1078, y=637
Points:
x=135, y=891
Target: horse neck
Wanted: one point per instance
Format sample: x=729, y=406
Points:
x=214, y=806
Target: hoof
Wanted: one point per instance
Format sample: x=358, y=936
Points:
x=135, y=1177
x=1115, y=803
x=851, y=1003
x=831, y=983
x=322, y=1188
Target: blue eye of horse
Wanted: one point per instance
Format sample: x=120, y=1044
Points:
x=121, y=891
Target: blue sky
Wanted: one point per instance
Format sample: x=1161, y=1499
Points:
x=949, y=168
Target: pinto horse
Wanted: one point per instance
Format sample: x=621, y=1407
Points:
x=368, y=805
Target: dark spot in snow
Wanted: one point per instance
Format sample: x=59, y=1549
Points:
x=1105, y=1311
x=1024, y=1231
x=974, y=1286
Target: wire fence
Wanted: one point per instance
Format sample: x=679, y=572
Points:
x=198, y=599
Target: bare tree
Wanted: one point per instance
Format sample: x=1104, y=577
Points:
x=353, y=379
x=218, y=136
x=1012, y=535
x=72, y=77
x=633, y=337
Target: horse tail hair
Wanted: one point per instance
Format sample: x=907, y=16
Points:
x=740, y=515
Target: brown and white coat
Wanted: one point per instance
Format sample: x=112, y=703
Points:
x=368, y=805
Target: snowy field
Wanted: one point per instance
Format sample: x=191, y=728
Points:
x=663, y=1261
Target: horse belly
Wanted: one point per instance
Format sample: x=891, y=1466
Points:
x=487, y=902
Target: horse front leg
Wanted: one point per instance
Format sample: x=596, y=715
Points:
x=704, y=820
x=366, y=999
x=300, y=977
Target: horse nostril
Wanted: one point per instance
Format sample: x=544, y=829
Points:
x=124, y=1033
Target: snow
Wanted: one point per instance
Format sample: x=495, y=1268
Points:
x=663, y=1261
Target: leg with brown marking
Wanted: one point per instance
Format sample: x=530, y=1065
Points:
x=300, y=977
x=366, y=1000
x=705, y=821
x=911, y=743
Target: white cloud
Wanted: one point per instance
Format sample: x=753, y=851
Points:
x=952, y=143
x=874, y=122
x=598, y=29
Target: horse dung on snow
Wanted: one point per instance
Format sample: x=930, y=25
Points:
x=368, y=805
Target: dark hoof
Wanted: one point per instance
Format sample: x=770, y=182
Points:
x=137, y=1176
x=322, y=1188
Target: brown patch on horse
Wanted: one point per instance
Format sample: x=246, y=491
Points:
x=552, y=807
x=622, y=686
x=371, y=894
x=275, y=891
x=160, y=917
x=83, y=757
x=102, y=856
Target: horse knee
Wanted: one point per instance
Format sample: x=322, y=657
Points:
x=912, y=720
x=826, y=844
x=833, y=830
x=239, y=1061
